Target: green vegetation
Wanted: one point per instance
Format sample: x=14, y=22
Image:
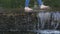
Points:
x=11, y=3
x=21, y=3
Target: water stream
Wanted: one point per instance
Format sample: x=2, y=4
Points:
x=48, y=23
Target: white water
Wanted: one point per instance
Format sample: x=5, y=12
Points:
x=43, y=17
x=47, y=32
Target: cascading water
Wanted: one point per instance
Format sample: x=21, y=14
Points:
x=43, y=17
x=56, y=19
x=51, y=19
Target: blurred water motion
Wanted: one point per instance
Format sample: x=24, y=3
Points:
x=49, y=32
x=51, y=19
x=48, y=21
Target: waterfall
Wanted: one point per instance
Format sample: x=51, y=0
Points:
x=44, y=17
x=44, y=21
